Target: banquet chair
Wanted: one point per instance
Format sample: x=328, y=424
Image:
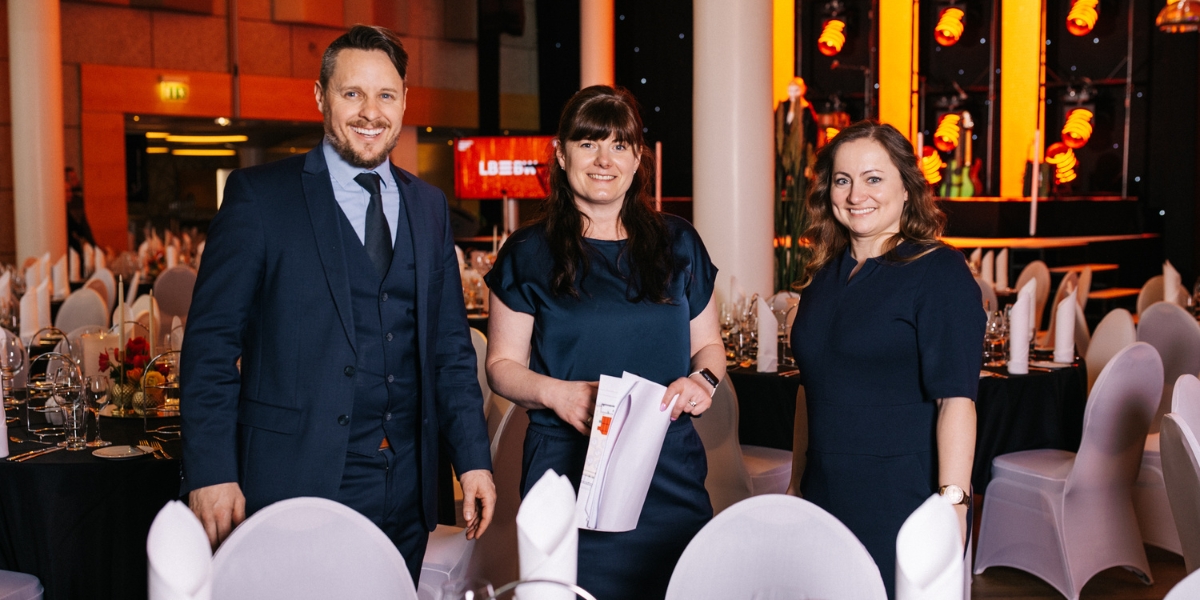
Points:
x=309, y=548
x=1085, y=287
x=1152, y=293
x=1181, y=466
x=1065, y=516
x=105, y=276
x=84, y=307
x=1188, y=589
x=989, y=295
x=493, y=557
x=1036, y=270
x=497, y=410
x=173, y=292
x=929, y=554
x=1114, y=332
x=775, y=546
x=480, y=342
x=1083, y=338
x=19, y=586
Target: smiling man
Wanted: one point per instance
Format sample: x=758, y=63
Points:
x=333, y=277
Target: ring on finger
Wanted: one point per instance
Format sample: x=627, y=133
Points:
x=692, y=403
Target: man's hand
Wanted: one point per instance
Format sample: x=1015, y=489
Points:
x=222, y=507
x=479, y=501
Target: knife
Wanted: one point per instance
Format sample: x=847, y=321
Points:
x=33, y=454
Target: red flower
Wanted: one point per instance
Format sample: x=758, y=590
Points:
x=139, y=361
x=104, y=361
x=137, y=345
x=164, y=369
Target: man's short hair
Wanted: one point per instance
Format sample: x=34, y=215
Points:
x=364, y=37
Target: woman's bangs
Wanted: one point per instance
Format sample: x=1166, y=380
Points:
x=602, y=120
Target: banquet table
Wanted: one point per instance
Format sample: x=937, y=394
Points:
x=78, y=522
x=1043, y=409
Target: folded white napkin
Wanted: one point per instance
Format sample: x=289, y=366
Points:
x=144, y=252
x=132, y=290
x=547, y=538
x=33, y=276
x=976, y=259
x=44, y=264
x=768, y=339
x=89, y=259
x=1171, y=283
x=1002, y=269
x=74, y=270
x=179, y=555
x=1064, y=329
x=1019, y=329
x=100, y=258
x=43, y=300
x=176, y=332
x=59, y=277
x=5, y=288
x=172, y=255
x=988, y=269
x=199, y=251
x=462, y=258
x=929, y=554
x=29, y=316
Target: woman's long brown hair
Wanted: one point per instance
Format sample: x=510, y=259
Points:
x=921, y=221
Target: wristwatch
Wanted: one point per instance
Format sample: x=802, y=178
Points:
x=954, y=494
x=709, y=377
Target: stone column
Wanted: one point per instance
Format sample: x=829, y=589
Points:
x=35, y=83
x=733, y=162
x=596, y=45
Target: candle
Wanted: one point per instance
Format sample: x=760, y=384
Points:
x=152, y=327
x=121, y=310
x=93, y=346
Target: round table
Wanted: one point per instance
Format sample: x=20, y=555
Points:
x=1043, y=409
x=79, y=523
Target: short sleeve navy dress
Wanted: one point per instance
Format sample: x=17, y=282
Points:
x=876, y=351
x=603, y=333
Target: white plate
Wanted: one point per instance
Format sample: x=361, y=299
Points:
x=121, y=452
x=1046, y=364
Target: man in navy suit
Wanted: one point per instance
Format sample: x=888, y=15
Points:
x=332, y=276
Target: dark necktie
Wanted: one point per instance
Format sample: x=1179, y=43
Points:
x=378, y=238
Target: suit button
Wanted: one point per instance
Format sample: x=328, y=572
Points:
x=390, y=378
x=387, y=417
x=389, y=337
x=344, y=420
x=384, y=297
x=349, y=371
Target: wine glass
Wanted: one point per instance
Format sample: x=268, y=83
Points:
x=68, y=390
x=995, y=340
x=96, y=387
x=12, y=360
x=466, y=589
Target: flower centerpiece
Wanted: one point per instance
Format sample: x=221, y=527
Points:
x=125, y=369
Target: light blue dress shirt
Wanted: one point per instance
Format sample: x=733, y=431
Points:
x=353, y=198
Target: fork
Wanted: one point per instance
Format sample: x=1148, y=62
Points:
x=13, y=438
x=158, y=446
x=153, y=451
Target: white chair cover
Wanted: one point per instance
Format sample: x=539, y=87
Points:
x=775, y=546
x=989, y=295
x=728, y=480
x=1066, y=516
x=497, y=410
x=929, y=553
x=19, y=586
x=1188, y=589
x=480, y=342
x=1113, y=333
x=84, y=307
x=105, y=276
x=1036, y=270
x=1085, y=287
x=1083, y=338
x=173, y=292
x=1185, y=402
x=179, y=557
x=310, y=549
x=1181, y=470
x=1152, y=292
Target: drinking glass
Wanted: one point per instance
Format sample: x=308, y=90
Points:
x=96, y=387
x=995, y=340
x=12, y=360
x=466, y=589
x=51, y=388
x=160, y=393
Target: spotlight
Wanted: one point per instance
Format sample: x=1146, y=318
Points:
x=1179, y=16
x=946, y=135
x=1077, y=129
x=1063, y=158
x=1083, y=16
x=949, y=26
x=931, y=165
x=832, y=38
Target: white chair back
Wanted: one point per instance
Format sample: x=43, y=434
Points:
x=1085, y=287
x=1188, y=589
x=775, y=546
x=98, y=286
x=498, y=408
x=1180, y=453
x=19, y=586
x=480, y=342
x=84, y=307
x=173, y=291
x=1083, y=338
x=989, y=295
x=1152, y=292
x=1036, y=270
x=310, y=548
x=1113, y=333
x=1115, y=423
x=1176, y=335
x=728, y=481
x=495, y=557
x=1185, y=401
x=105, y=276
x=929, y=554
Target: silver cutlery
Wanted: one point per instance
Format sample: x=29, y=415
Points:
x=13, y=438
x=33, y=454
x=158, y=446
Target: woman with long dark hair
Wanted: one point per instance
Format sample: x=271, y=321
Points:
x=889, y=338
x=600, y=285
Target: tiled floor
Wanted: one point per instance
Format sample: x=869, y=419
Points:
x=1001, y=583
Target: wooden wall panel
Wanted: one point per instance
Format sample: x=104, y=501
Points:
x=278, y=98
x=110, y=89
x=104, y=172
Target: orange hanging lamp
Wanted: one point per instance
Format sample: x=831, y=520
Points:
x=1077, y=129
x=1063, y=158
x=949, y=28
x=945, y=138
x=833, y=37
x=931, y=165
x=1083, y=16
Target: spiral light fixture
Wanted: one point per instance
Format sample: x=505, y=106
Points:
x=1082, y=17
x=1063, y=158
x=1077, y=129
x=946, y=135
x=949, y=27
x=931, y=165
x=833, y=37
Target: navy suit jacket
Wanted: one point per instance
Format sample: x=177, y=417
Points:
x=273, y=290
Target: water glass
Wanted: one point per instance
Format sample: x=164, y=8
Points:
x=995, y=340
x=96, y=389
x=12, y=361
x=466, y=589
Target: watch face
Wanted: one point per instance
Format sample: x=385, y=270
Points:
x=954, y=494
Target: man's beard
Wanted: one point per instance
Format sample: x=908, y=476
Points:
x=349, y=154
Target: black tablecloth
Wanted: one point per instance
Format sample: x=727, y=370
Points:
x=1043, y=409
x=79, y=523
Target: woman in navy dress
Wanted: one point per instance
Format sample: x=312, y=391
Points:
x=603, y=284
x=888, y=336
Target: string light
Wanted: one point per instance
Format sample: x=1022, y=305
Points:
x=931, y=165
x=1077, y=130
x=1063, y=158
x=1083, y=16
x=946, y=135
x=949, y=26
x=833, y=37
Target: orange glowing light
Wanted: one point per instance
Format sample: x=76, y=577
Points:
x=1063, y=158
x=833, y=37
x=1083, y=16
x=830, y=133
x=946, y=135
x=1078, y=128
x=949, y=26
x=931, y=165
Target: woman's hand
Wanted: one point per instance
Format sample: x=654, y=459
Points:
x=695, y=396
x=574, y=402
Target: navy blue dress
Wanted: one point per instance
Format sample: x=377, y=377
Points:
x=603, y=333
x=875, y=353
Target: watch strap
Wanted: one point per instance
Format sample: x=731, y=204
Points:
x=709, y=377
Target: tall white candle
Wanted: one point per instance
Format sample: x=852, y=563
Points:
x=121, y=309
x=152, y=328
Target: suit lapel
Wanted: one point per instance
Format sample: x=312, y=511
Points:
x=419, y=223
x=322, y=210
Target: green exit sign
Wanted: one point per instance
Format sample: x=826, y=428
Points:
x=173, y=91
